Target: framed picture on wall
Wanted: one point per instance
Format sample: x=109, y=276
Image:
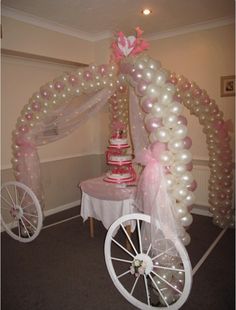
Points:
x=227, y=84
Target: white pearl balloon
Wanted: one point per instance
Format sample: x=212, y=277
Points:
x=154, y=64
x=186, y=239
x=186, y=178
x=180, y=192
x=153, y=91
x=158, y=110
x=189, y=199
x=160, y=77
x=175, y=108
x=180, y=209
x=179, y=132
x=166, y=98
x=178, y=168
x=162, y=134
x=175, y=145
x=183, y=156
x=148, y=74
x=186, y=220
x=170, y=120
x=166, y=158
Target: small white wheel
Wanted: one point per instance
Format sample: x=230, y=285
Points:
x=146, y=280
x=21, y=214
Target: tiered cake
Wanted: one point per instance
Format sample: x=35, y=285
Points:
x=121, y=163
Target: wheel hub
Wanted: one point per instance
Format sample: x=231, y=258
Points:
x=16, y=212
x=141, y=264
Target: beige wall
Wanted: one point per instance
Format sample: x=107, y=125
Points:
x=26, y=38
x=203, y=57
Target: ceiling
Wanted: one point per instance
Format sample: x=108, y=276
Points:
x=97, y=18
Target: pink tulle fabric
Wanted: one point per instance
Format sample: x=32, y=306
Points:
x=100, y=189
x=58, y=123
x=152, y=197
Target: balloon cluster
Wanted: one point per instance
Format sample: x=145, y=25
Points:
x=164, y=123
x=52, y=96
x=217, y=133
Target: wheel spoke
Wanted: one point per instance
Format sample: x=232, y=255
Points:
x=117, y=243
x=162, y=253
x=168, y=268
x=168, y=283
x=7, y=202
x=149, y=248
x=122, y=260
x=9, y=194
x=31, y=214
x=123, y=274
x=25, y=219
x=25, y=227
x=147, y=290
x=139, y=237
x=16, y=194
x=22, y=199
x=134, y=285
x=28, y=206
x=128, y=237
x=159, y=291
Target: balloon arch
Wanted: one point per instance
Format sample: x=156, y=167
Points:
x=156, y=99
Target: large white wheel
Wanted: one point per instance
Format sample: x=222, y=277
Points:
x=146, y=280
x=21, y=214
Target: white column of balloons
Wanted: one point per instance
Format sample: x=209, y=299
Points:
x=217, y=133
x=165, y=124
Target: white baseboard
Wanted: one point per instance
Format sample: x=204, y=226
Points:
x=62, y=208
x=201, y=210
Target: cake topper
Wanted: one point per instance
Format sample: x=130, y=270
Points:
x=124, y=46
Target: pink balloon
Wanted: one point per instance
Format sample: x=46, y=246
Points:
x=187, y=142
x=141, y=88
x=153, y=123
x=157, y=148
x=46, y=93
x=192, y=187
x=88, y=75
x=137, y=75
x=182, y=120
x=147, y=104
x=72, y=79
x=196, y=92
x=59, y=86
x=23, y=128
x=186, y=86
x=29, y=116
x=173, y=79
x=102, y=69
x=36, y=106
x=189, y=166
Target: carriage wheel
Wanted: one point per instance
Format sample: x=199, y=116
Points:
x=21, y=214
x=146, y=279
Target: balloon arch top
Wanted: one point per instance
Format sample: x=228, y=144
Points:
x=150, y=99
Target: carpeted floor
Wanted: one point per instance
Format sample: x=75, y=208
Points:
x=64, y=269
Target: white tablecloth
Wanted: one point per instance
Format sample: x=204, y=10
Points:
x=106, y=211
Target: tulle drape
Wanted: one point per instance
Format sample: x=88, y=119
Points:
x=58, y=123
x=151, y=196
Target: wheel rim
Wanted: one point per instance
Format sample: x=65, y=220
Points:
x=139, y=275
x=21, y=214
